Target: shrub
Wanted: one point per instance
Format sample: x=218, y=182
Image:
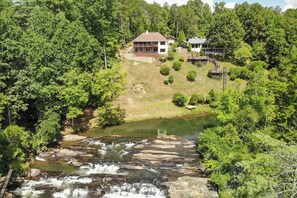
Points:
x=163, y=59
x=165, y=82
x=207, y=100
x=189, y=47
x=165, y=70
x=242, y=73
x=191, y=75
x=174, y=46
x=170, y=55
x=234, y=73
x=170, y=79
x=193, y=100
x=179, y=99
x=201, y=99
x=177, y=65
x=181, y=59
x=198, y=64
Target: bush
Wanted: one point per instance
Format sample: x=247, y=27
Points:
x=179, y=99
x=177, y=66
x=174, y=46
x=207, y=100
x=170, y=55
x=189, y=47
x=191, y=75
x=181, y=59
x=165, y=70
x=242, y=73
x=201, y=99
x=165, y=82
x=193, y=99
x=170, y=79
x=198, y=64
x=163, y=59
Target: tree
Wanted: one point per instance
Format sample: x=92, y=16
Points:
x=226, y=31
x=15, y=145
x=243, y=55
x=276, y=46
x=181, y=37
x=47, y=130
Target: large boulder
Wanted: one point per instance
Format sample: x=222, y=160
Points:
x=34, y=172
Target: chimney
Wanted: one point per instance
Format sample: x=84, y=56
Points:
x=146, y=32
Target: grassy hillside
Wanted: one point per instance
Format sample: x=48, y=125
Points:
x=154, y=100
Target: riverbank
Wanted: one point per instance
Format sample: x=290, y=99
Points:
x=147, y=97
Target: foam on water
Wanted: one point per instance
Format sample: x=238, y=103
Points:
x=129, y=145
x=92, y=169
x=28, y=188
x=72, y=193
x=136, y=190
x=27, y=191
x=37, y=158
x=115, y=148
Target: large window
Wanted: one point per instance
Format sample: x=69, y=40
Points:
x=162, y=50
x=162, y=43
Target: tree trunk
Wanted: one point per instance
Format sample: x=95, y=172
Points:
x=5, y=183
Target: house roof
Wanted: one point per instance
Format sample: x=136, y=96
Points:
x=196, y=40
x=150, y=37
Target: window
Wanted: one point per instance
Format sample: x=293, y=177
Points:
x=162, y=50
x=162, y=43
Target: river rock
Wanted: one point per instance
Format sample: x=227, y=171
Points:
x=152, y=157
x=34, y=172
x=140, y=146
x=73, y=138
x=161, y=146
x=190, y=187
x=67, y=153
x=132, y=167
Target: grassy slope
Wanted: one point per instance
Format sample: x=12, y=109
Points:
x=156, y=102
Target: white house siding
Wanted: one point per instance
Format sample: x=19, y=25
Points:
x=196, y=47
x=171, y=41
x=163, y=49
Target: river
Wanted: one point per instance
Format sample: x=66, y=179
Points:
x=131, y=160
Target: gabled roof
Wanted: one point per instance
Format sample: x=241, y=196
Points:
x=196, y=40
x=150, y=37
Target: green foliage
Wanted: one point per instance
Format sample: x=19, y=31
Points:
x=198, y=64
x=226, y=31
x=242, y=73
x=15, y=145
x=193, y=99
x=170, y=55
x=189, y=47
x=243, y=55
x=177, y=65
x=181, y=36
x=165, y=70
x=110, y=116
x=179, y=99
x=259, y=52
x=254, y=64
x=47, y=130
x=191, y=75
x=276, y=46
x=166, y=82
x=170, y=79
x=163, y=59
x=181, y=59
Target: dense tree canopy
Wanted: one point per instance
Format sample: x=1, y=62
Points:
x=58, y=58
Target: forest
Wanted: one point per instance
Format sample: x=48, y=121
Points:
x=58, y=58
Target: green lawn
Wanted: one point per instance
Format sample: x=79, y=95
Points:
x=155, y=102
